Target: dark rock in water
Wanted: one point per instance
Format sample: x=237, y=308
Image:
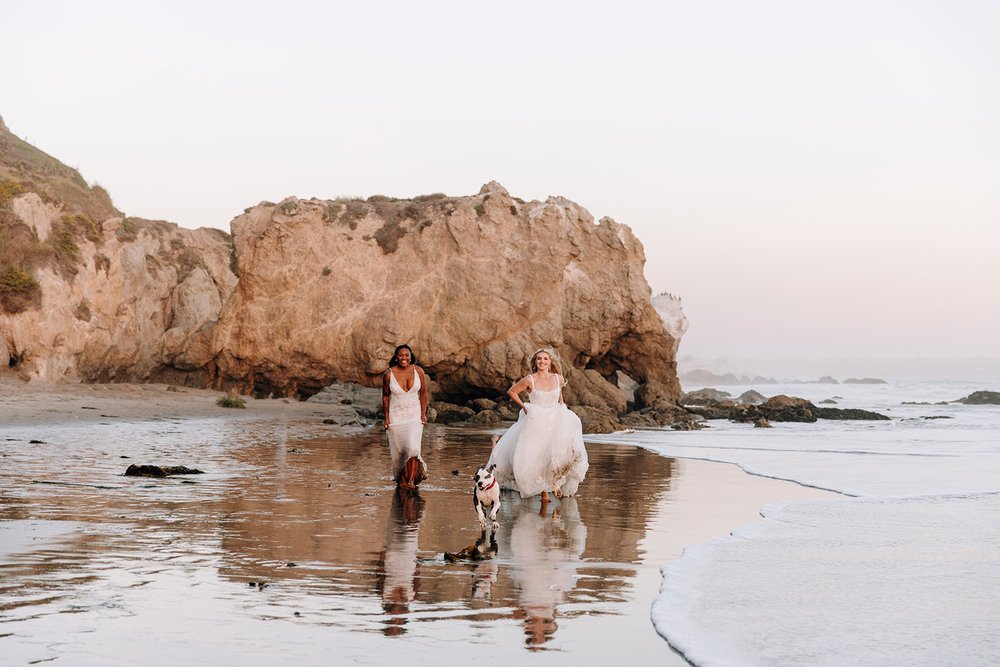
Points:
x=507, y=410
x=711, y=411
x=159, y=471
x=704, y=396
x=659, y=416
x=480, y=404
x=828, y=401
x=762, y=423
x=447, y=413
x=864, y=381
x=689, y=425
x=486, y=417
x=343, y=415
x=36, y=442
x=783, y=408
x=751, y=396
x=849, y=413
x=981, y=398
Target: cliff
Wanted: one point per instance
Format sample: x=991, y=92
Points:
x=88, y=294
x=326, y=289
x=475, y=284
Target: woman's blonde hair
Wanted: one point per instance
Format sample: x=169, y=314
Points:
x=552, y=355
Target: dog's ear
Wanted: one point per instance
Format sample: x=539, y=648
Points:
x=492, y=468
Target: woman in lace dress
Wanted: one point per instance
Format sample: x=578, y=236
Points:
x=543, y=451
x=404, y=404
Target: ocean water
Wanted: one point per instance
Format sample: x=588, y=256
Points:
x=903, y=569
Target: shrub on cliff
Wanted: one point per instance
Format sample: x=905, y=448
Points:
x=9, y=189
x=19, y=291
x=228, y=402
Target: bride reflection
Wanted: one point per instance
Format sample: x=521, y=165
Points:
x=544, y=548
x=398, y=577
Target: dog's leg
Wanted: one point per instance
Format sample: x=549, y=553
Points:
x=493, y=516
x=479, y=513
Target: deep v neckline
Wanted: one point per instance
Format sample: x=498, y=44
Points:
x=400, y=384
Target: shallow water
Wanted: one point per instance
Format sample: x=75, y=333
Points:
x=905, y=571
x=294, y=546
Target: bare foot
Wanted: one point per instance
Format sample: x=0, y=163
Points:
x=558, y=493
x=545, y=496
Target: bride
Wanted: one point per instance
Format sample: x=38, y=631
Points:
x=544, y=449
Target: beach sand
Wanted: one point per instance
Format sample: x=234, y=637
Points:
x=97, y=568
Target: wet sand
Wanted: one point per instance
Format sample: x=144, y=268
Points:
x=294, y=548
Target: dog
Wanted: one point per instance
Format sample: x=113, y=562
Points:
x=486, y=494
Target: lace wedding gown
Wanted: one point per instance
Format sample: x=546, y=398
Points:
x=405, y=429
x=544, y=449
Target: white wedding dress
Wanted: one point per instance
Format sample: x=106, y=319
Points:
x=405, y=428
x=543, y=450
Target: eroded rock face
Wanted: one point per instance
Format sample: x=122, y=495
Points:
x=474, y=284
x=326, y=290
x=135, y=302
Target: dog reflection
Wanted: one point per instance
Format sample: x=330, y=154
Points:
x=398, y=576
x=485, y=570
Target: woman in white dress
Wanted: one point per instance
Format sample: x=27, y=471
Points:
x=544, y=449
x=404, y=404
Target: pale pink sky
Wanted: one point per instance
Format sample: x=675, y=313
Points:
x=814, y=179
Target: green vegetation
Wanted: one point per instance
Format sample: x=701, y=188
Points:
x=10, y=189
x=231, y=402
x=32, y=170
x=19, y=291
x=127, y=231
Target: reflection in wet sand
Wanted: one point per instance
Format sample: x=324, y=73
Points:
x=398, y=571
x=545, y=549
x=344, y=560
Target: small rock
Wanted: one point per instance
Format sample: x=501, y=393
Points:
x=291, y=565
x=455, y=472
x=828, y=401
x=159, y=471
x=36, y=442
x=762, y=423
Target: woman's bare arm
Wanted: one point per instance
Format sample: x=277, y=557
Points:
x=514, y=392
x=423, y=395
x=385, y=400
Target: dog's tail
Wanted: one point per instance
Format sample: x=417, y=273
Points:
x=496, y=439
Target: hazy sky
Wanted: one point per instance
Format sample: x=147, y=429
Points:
x=814, y=179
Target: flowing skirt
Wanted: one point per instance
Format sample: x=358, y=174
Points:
x=542, y=451
x=404, y=443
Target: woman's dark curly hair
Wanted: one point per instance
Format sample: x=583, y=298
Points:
x=395, y=361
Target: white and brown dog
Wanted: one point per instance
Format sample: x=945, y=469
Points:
x=486, y=494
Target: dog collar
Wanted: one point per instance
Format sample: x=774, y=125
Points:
x=491, y=485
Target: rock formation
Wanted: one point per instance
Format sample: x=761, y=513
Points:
x=475, y=284
x=88, y=294
x=326, y=289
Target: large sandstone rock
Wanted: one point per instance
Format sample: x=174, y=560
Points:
x=326, y=289
x=132, y=306
x=475, y=284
